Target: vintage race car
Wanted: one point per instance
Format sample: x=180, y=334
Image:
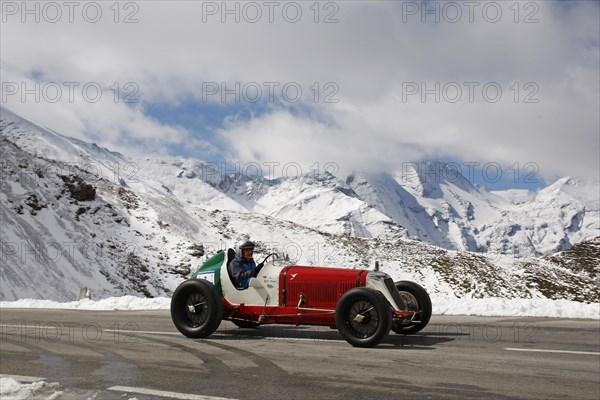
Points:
x=363, y=305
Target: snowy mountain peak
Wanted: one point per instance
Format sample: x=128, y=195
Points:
x=430, y=201
x=428, y=177
x=51, y=145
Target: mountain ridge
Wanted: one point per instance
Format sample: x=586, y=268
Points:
x=120, y=225
x=433, y=203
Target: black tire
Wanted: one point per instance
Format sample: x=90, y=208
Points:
x=416, y=299
x=196, y=308
x=245, y=324
x=375, y=309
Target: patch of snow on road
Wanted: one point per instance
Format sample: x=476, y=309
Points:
x=11, y=389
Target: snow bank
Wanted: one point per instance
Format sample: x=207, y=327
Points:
x=111, y=303
x=442, y=305
x=502, y=307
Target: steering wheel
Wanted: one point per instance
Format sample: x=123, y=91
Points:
x=267, y=257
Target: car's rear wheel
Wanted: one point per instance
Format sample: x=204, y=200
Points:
x=363, y=317
x=416, y=299
x=196, y=308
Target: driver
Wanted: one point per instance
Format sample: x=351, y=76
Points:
x=243, y=267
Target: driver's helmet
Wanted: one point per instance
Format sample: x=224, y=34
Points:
x=245, y=245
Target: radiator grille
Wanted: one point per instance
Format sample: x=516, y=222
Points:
x=318, y=294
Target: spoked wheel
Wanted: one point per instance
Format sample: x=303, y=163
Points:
x=195, y=311
x=363, y=317
x=196, y=308
x=417, y=300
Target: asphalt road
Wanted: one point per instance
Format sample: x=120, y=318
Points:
x=139, y=354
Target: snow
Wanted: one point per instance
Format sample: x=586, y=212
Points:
x=14, y=387
x=515, y=196
x=126, y=303
x=11, y=389
x=433, y=203
x=502, y=307
x=136, y=237
x=442, y=305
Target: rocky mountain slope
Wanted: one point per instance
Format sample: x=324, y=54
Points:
x=74, y=214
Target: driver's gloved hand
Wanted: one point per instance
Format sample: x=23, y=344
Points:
x=257, y=269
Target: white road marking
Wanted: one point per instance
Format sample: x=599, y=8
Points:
x=22, y=378
x=592, y=353
x=163, y=393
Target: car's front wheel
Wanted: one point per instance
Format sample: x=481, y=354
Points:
x=417, y=300
x=363, y=317
x=196, y=308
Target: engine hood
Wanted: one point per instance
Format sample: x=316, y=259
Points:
x=317, y=286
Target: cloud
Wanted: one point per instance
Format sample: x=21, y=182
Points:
x=395, y=78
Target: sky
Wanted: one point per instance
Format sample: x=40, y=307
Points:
x=509, y=91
